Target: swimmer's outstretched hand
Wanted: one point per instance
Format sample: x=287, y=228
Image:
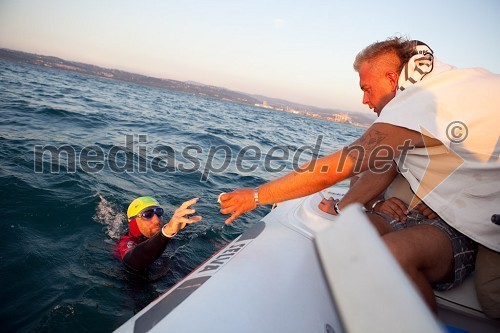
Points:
x=237, y=203
x=182, y=216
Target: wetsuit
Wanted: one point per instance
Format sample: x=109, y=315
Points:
x=137, y=253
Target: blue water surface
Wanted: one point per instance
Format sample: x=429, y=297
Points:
x=62, y=216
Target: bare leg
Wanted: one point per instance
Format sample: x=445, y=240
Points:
x=425, y=253
x=383, y=227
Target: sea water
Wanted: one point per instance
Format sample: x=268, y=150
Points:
x=76, y=149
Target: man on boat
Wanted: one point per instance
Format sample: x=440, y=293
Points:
x=148, y=235
x=421, y=105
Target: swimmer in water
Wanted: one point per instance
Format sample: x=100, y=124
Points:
x=148, y=233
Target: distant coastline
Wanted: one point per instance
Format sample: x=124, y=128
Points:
x=352, y=118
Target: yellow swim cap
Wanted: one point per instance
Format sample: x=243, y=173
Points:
x=139, y=204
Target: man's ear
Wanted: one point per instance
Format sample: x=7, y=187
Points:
x=393, y=79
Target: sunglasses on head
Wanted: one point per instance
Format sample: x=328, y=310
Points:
x=148, y=214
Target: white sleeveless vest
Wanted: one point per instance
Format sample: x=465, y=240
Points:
x=459, y=180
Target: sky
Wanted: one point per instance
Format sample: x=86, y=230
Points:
x=301, y=51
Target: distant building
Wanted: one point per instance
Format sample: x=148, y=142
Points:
x=264, y=105
x=341, y=118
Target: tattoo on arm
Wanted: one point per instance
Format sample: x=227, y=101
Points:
x=371, y=139
x=361, y=149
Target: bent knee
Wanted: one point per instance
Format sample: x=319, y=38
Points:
x=422, y=248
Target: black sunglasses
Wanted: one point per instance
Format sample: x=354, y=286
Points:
x=148, y=214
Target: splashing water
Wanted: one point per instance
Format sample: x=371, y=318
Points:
x=111, y=217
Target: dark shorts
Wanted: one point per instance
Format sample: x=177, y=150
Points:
x=464, y=248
